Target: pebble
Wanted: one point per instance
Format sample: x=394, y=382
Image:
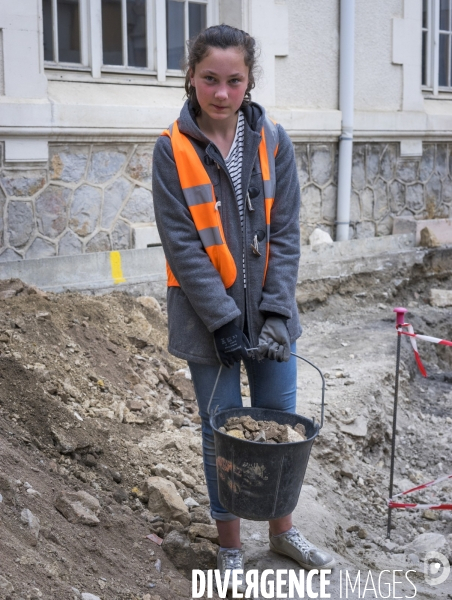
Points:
x=348, y=470
x=236, y=433
x=388, y=545
x=362, y=534
x=90, y=460
x=43, y=316
x=78, y=507
x=414, y=559
x=190, y=502
x=86, y=596
x=357, y=428
x=431, y=515
x=31, y=520
x=260, y=437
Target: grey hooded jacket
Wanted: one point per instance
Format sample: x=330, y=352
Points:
x=202, y=304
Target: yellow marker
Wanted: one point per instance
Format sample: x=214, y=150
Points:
x=116, y=270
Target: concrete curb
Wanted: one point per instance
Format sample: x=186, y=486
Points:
x=352, y=257
x=98, y=272
x=143, y=271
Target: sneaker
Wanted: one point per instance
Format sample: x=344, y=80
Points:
x=230, y=559
x=293, y=544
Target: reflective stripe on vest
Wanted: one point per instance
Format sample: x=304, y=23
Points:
x=200, y=198
x=268, y=148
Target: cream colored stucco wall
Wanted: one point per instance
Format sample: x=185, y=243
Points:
x=378, y=82
x=308, y=77
x=300, y=85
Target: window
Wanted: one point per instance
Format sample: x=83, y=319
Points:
x=183, y=21
x=113, y=36
x=444, y=44
x=437, y=45
x=62, y=42
x=124, y=33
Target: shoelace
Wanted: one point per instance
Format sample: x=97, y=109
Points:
x=232, y=559
x=300, y=542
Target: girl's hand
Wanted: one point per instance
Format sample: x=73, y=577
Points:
x=230, y=344
x=274, y=340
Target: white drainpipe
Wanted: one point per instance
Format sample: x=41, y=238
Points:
x=346, y=106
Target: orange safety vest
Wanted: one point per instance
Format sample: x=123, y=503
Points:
x=200, y=198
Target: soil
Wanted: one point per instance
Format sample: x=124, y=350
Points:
x=91, y=400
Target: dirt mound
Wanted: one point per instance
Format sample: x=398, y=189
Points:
x=101, y=457
x=86, y=405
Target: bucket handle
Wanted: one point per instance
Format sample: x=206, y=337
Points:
x=322, y=413
x=250, y=350
x=213, y=391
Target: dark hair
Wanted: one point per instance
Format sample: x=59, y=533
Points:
x=220, y=36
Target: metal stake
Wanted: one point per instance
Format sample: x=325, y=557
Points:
x=400, y=312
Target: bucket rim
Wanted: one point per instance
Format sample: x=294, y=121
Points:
x=281, y=444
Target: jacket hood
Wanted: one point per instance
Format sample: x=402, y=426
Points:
x=254, y=115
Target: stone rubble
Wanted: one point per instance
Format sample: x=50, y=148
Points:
x=164, y=500
x=31, y=520
x=440, y=298
x=270, y=432
x=78, y=507
x=131, y=462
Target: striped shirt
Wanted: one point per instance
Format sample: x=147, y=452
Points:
x=234, y=165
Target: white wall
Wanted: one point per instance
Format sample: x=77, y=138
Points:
x=299, y=40
x=378, y=82
x=22, y=49
x=308, y=76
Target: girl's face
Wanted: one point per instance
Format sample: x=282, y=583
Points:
x=220, y=79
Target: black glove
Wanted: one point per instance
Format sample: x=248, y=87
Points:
x=230, y=344
x=274, y=340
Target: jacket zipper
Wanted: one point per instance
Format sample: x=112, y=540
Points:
x=244, y=255
x=245, y=258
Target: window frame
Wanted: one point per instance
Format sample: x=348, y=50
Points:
x=84, y=42
x=432, y=49
x=186, y=29
x=91, y=50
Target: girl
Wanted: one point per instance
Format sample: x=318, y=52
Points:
x=227, y=202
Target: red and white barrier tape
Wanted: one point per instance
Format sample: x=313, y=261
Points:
x=426, y=338
x=393, y=504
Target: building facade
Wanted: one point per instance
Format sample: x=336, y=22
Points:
x=86, y=86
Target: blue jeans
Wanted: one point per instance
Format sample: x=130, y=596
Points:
x=272, y=385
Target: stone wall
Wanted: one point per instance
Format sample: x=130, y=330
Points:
x=384, y=185
x=86, y=200
x=89, y=196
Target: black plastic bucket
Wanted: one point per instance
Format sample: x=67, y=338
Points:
x=260, y=481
